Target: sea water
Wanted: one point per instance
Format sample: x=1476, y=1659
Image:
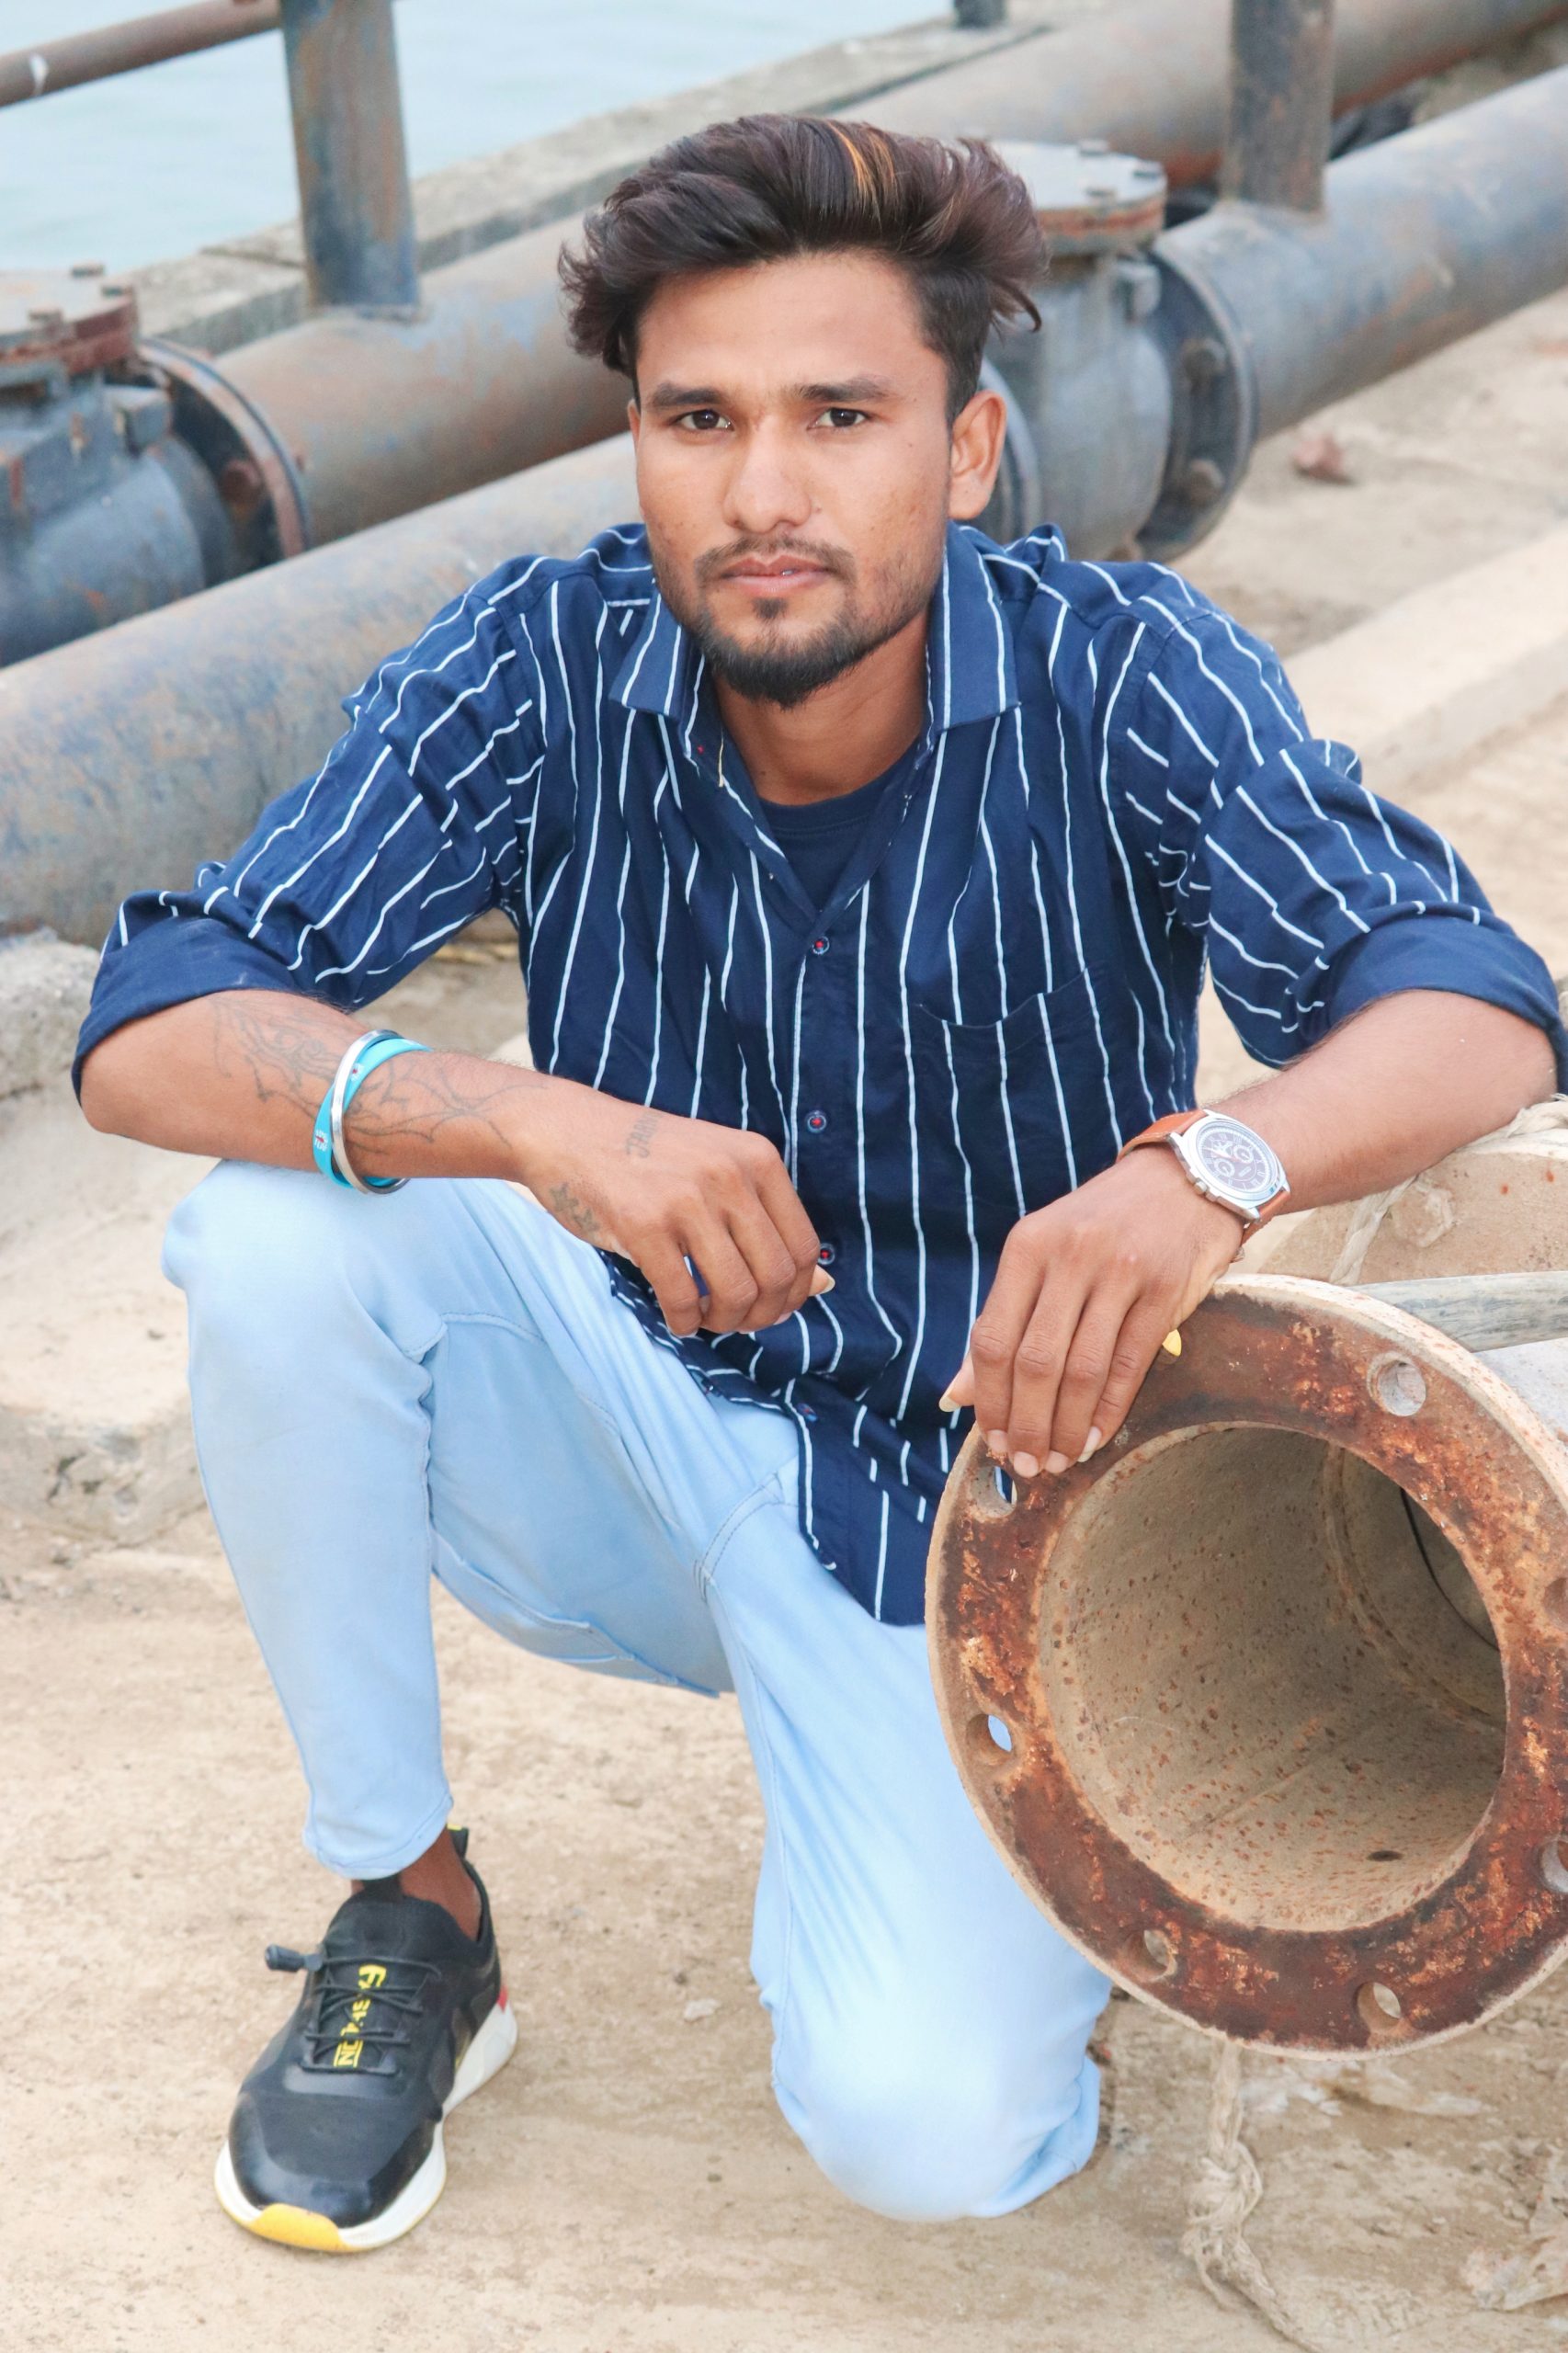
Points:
x=188, y=154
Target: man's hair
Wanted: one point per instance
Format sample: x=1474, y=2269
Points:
x=773, y=186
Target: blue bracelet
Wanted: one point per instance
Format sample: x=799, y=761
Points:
x=327, y=1147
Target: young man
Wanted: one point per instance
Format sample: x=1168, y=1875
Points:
x=864, y=874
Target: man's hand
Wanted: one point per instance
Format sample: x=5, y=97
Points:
x=675, y=1194
x=1085, y=1291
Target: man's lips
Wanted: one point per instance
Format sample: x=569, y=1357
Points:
x=773, y=575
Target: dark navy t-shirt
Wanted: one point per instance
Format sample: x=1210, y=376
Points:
x=819, y=838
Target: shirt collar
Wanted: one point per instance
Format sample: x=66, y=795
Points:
x=970, y=671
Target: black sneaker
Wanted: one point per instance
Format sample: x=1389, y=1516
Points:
x=336, y=2138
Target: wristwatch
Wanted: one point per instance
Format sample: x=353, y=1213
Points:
x=1227, y=1161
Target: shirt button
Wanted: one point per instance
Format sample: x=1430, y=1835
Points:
x=826, y=1255
x=807, y=1413
x=816, y=1122
x=821, y=947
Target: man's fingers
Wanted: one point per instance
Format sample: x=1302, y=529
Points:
x=783, y=1273
x=675, y=1287
x=729, y=1287
x=783, y=1206
x=1058, y=1377
x=1145, y=1332
x=997, y=1336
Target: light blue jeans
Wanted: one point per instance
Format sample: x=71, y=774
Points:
x=439, y=1382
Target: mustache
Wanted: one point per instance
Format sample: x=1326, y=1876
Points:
x=718, y=560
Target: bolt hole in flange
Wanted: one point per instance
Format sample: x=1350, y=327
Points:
x=990, y=1740
x=1379, y=2009
x=1554, y=1869
x=1002, y=1488
x=1148, y=1957
x=1397, y=1385
x=1555, y=1602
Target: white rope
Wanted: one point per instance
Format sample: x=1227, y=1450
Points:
x=1225, y=2189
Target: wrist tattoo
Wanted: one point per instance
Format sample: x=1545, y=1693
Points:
x=579, y=1217
x=639, y=1135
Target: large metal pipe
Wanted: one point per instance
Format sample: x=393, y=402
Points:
x=1281, y=103
x=67, y=60
x=111, y=753
x=1426, y=238
x=356, y=211
x=1153, y=79
x=381, y=416
x=1267, y=1704
x=384, y=416
x=127, y=758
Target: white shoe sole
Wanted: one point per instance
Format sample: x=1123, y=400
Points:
x=298, y=2226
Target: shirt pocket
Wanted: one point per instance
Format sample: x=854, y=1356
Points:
x=1008, y=1093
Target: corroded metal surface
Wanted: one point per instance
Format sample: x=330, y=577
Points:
x=1281, y=102
x=1263, y=1768
x=65, y=60
x=66, y=319
x=1153, y=78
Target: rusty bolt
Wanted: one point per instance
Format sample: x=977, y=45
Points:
x=1203, y=360
x=1202, y=481
x=240, y=485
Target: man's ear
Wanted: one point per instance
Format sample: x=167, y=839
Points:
x=634, y=421
x=978, y=431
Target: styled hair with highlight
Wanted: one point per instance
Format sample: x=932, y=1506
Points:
x=773, y=186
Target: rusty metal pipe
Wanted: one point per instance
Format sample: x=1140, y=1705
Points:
x=1281, y=103
x=68, y=60
x=1426, y=238
x=356, y=210
x=1153, y=79
x=125, y=757
x=1284, y=1674
x=381, y=416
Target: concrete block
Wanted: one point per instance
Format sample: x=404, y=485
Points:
x=1431, y=678
x=44, y=989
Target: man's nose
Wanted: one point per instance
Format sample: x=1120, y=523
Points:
x=767, y=489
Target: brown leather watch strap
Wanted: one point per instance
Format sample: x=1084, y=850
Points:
x=1174, y=1125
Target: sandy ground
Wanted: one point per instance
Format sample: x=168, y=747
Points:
x=626, y=2187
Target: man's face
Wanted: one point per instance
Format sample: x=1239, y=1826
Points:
x=796, y=466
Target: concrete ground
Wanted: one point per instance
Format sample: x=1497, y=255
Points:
x=626, y=2187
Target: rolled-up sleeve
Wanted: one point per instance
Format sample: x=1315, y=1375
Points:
x=418, y=820
x=1313, y=896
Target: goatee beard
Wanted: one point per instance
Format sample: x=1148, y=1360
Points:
x=789, y=675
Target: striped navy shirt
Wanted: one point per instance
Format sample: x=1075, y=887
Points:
x=1114, y=785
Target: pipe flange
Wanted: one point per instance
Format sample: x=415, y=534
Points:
x=257, y=477
x=1223, y=1722
x=57, y=321
x=1088, y=199
x=1213, y=412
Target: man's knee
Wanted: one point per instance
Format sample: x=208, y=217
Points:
x=252, y=1239
x=924, y=2135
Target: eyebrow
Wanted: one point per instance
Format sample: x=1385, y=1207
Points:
x=852, y=392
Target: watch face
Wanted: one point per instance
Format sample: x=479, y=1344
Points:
x=1230, y=1156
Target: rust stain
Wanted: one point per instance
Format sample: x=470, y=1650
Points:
x=1202, y=1811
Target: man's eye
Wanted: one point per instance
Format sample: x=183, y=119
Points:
x=702, y=420
x=841, y=418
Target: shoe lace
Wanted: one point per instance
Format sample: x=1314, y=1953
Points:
x=361, y=1998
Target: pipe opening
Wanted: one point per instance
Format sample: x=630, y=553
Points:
x=1273, y=1679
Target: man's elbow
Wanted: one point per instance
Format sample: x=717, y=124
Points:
x=107, y=1089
